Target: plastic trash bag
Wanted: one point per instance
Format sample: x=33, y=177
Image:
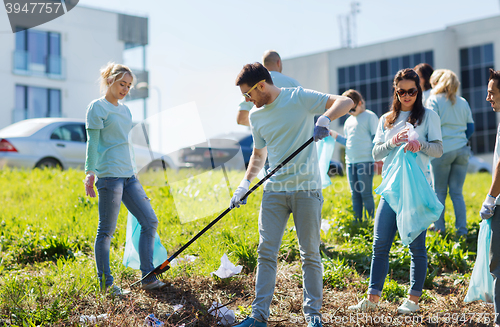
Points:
x=481, y=280
x=407, y=191
x=226, y=315
x=325, y=148
x=412, y=135
x=131, y=254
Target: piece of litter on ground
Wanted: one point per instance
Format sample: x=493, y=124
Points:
x=152, y=321
x=325, y=225
x=177, y=307
x=226, y=315
x=227, y=268
x=186, y=259
x=92, y=319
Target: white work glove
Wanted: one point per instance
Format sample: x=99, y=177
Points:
x=488, y=208
x=238, y=194
x=321, y=129
x=89, y=184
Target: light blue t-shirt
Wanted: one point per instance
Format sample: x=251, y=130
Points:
x=279, y=80
x=283, y=126
x=429, y=130
x=454, y=119
x=425, y=96
x=115, y=155
x=359, y=131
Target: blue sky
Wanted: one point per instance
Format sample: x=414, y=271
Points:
x=198, y=47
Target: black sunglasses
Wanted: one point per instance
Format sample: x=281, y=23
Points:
x=353, y=109
x=411, y=92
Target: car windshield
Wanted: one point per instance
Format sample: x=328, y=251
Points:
x=23, y=128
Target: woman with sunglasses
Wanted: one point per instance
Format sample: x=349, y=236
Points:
x=457, y=127
x=391, y=134
x=359, y=130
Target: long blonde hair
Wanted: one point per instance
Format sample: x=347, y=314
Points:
x=445, y=81
x=113, y=72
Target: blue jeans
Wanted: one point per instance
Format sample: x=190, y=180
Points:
x=112, y=191
x=384, y=230
x=449, y=172
x=495, y=259
x=360, y=177
x=275, y=210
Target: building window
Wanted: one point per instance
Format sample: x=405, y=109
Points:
x=374, y=79
x=38, y=53
x=36, y=102
x=475, y=63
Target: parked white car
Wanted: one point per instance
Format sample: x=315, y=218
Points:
x=478, y=165
x=53, y=142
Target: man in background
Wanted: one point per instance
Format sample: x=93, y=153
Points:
x=272, y=61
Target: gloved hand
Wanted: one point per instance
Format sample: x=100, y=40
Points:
x=413, y=146
x=321, y=129
x=400, y=138
x=488, y=208
x=238, y=194
x=89, y=184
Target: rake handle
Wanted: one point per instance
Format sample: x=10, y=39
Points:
x=165, y=266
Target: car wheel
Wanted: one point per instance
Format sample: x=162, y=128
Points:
x=157, y=165
x=48, y=163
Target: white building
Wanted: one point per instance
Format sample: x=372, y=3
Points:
x=467, y=49
x=52, y=70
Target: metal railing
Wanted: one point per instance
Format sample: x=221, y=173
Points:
x=53, y=66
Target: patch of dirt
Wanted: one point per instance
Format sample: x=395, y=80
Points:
x=443, y=307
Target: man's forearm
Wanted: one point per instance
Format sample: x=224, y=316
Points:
x=255, y=165
x=339, y=108
x=495, y=184
x=242, y=118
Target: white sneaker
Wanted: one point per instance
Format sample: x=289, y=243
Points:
x=408, y=306
x=115, y=290
x=364, y=305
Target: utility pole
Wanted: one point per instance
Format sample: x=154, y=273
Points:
x=348, y=27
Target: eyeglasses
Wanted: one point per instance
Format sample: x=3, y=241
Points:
x=247, y=93
x=353, y=109
x=411, y=92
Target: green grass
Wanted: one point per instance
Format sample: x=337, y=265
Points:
x=48, y=226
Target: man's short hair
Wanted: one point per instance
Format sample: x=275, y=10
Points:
x=270, y=57
x=251, y=74
x=495, y=75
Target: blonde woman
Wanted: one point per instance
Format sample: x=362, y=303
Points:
x=110, y=158
x=457, y=126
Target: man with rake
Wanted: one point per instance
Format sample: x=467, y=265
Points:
x=281, y=121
